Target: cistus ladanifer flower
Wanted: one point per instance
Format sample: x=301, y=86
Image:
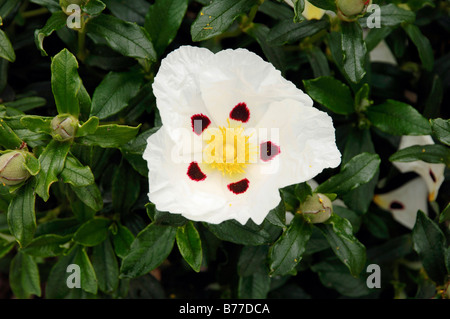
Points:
x=234, y=132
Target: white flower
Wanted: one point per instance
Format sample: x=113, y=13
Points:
x=405, y=201
x=278, y=138
x=310, y=11
x=433, y=174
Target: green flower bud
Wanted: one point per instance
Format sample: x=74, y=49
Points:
x=316, y=208
x=350, y=10
x=12, y=168
x=64, y=127
x=65, y=3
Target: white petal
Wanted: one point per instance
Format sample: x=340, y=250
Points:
x=412, y=196
x=433, y=174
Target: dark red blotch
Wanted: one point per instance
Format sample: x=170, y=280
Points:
x=203, y=120
x=195, y=173
x=239, y=187
x=268, y=151
x=240, y=113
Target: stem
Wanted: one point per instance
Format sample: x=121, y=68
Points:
x=34, y=13
x=81, y=54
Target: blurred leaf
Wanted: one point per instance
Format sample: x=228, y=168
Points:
x=5, y=247
x=217, y=17
x=252, y=259
x=124, y=37
x=93, y=232
x=51, y=5
x=132, y=11
x=150, y=248
x=6, y=49
x=398, y=118
x=287, y=251
x=110, y=136
x=56, y=21
x=358, y=171
x=423, y=45
x=324, y=4
x=441, y=129
x=81, y=211
x=339, y=233
x=66, y=83
x=255, y=286
x=93, y=7
x=331, y=93
x=445, y=214
x=391, y=16
x=429, y=242
x=114, y=92
x=318, y=61
x=24, y=276
x=90, y=195
x=190, y=245
x=134, y=149
x=52, y=162
x=427, y=153
x=26, y=103
x=288, y=31
x=162, y=21
x=21, y=214
x=49, y=245
x=122, y=241
x=354, y=51
x=75, y=173
x=125, y=188
x=106, y=267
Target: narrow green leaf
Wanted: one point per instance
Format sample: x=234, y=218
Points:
x=429, y=242
x=339, y=233
x=24, y=276
x=21, y=214
x=423, y=45
x=445, y=214
x=93, y=232
x=6, y=49
x=190, y=245
x=52, y=162
x=36, y=123
x=441, y=129
x=88, y=127
x=288, y=250
x=318, y=61
x=354, y=51
x=90, y=195
x=56, y=21
x=106, y=267
x=122, y=241
x=391, y=15
x=398, y=118
x=331, y=93
x=358, y=171
x=49, y=245
x=150, y=248
x=32, y=165
x=66, y=83
x=162, y=21
x=127, y=38
x=427, y=153
x=114, y=92
x=299, y=6
x=8, y=139
x=110, y=136
x=217, y=17
x=75, y=173
x=288, y=32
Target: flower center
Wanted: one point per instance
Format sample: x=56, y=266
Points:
x=228, y=149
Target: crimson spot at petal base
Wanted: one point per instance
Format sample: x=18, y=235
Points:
x=240, y=113
x=195, y=173
x=199, y=123
x=268, y=151
x=239, y=187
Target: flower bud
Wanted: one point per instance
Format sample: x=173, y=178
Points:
x=65, y=3
x=64, y=127
x=12, y=168
x=316, y=208
x=350, y=10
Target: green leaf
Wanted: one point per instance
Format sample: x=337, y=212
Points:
x=288, y=250
x=127, y=38
x=75, y=173
x=32, y=165
x=150, y=248
x=163, y=20
x=24, y=276
x=217, y=17
x=88, y=127
x=277, y=216
x=66, y=83
x=125, y=188
x=288, y=31
x=375, y=36
x=56, y=21
x=445, y=214
x=93, y=232
x=441, y=130
x=81, y=211
x=164, y=218
x=93, y=7
x=318, y=61
x=427, y=153
x=114, y=92
x=299, y=6
x=356, y=172
x=324, y=4
x=255, y=286
x=331, y=93
x=339, y=233
x=423, y=45
x=8, y=139
x=132, y=11
x=122, y=240
x=134, y=150
x=252, y=259
x=354, y=51
x=21, y=214
x=391, y=15
x=38, y=124
x=5, y=247
x=52, y=162
x=248, y=234
x=90, y=195
x=110, y=136
x=190, y=245
x=6, y=49
x=429, y=242
x=302, y=191
x=49, y=245
x=398, y=118
x=106, y=267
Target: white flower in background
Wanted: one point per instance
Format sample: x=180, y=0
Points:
x=310, y=11
x=405, y=201
x=278, y=138
x=433, y=174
